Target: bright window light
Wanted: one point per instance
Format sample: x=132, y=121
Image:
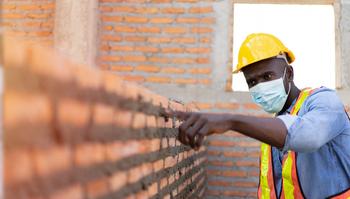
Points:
x=307, y=30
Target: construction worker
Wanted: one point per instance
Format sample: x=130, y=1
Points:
x=305, y=151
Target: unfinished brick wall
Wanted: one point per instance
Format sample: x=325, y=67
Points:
x=76, y=132
x=157, y=41
x=31, y=19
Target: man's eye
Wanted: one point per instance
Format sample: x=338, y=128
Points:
x=267, y=76
x=251, y=83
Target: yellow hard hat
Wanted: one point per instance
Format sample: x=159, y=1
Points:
x=260, y=46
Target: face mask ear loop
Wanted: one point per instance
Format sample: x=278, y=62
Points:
x=289, y=84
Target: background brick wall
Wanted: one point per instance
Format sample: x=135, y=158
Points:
x=31, y=19
x=158, y=41
x=76, y=132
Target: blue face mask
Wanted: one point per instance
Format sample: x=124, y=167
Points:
x=271, y=95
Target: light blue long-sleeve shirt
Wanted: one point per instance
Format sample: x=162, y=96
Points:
x=320, y=134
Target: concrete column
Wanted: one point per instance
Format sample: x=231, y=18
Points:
x=75, y=33
x=344, y=28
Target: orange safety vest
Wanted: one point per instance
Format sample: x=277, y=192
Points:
x=291, y=188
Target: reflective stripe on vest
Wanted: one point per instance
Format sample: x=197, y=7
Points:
x=267, y=188
x=290, y=184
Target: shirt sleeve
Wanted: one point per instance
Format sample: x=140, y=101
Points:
x=323, y=120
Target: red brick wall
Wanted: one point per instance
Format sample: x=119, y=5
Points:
x=157, y=41
x=31, y=19
x=76, y=132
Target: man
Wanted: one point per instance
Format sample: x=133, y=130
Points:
x=306, y=147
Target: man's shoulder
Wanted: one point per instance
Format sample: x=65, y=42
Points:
x=324, y=96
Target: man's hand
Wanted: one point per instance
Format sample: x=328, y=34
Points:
x=198, y=125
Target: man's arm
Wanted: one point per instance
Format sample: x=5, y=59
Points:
x=198, y=125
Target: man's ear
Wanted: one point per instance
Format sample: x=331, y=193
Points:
x=290, y=73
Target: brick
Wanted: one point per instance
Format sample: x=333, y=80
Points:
x=188, y=20
x=12, y=16
x=146, y=10
x=227, y=105
x=21, y=171
x=118, y=180
x=172, y=50
x=187, y=40
x=114, y=38
x=107, y=28
x=174, y=70
x=159, y=39
x=135, y=38
x=208, y=9
x=105, y=9
x=73, y=112
x=203, y=60
x=74, y=191
x=119, y=9
x=202, y=105
x=148, y=68
x=48, y=6
x=51, y=160
x=200, y=71
x=148, y=29
x=155, y=79
x=19, y=109
x=201, y=30
x=39, y=15
x=40, y=33
x=147, y=49
x=134, y=58
x=124, y=29
x=95, y=151
x=122, y=48
x=247, y=164
x=185, y=81
x=125, y=68
x=173, y=10
x=207, y=20
x=158, y=59
x=106, y=18
x=97, y=188
x=245, y=184
x=175, y=30
x=8, y=6
x=204, y=81
x=129, y=19
x=103, y=114
x=161, y=20
x=134, y=78
x=28, y=7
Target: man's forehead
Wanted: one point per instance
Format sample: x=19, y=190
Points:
x=263, y=66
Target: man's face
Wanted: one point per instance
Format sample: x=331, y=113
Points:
x=267, y=70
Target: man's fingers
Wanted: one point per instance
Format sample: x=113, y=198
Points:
x=201, y=135
x=184, y=126
x=178, y=114
x=193, y=131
